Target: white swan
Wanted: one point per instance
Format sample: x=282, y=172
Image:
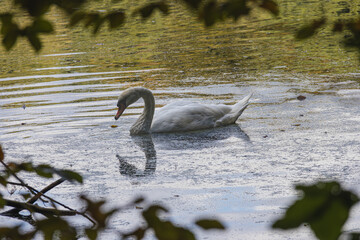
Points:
x=178, y=116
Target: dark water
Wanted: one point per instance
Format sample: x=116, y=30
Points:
x=57, y=107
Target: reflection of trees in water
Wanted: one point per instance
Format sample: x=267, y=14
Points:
x=145, y=143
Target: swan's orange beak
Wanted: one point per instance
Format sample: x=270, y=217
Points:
x=121, y=109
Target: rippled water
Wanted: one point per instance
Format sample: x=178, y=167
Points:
x=57, y=107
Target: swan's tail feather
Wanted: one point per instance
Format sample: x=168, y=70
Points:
x=235, y=113
x=239, y=107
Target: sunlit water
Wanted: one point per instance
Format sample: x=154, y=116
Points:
x=58, y=107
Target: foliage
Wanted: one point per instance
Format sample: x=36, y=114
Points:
x=167, y=230
x=209, y=12
x=53, y=226
x=325, y=206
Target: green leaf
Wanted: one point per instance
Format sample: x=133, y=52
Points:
x=70, y=6
x=324, y=206
x=271, y=6
x=116, y=19
x=235, y=8
x=34, y=7
x=3, y=180
x=56, y=228
x=10, y=31
x=34, y=41
x=26, y=196
x=91, y=233
x=147, y=10
x=210, y=13
x=2, y=155
x=93, y=208
x=193, y=3
x=44, y=170
x=2, y=202
x=9, y=39
x=210, y=224
x=42, y=26
x=76, y=18
x=70, y=175
x=165, y=230
x=309, y=30
x=138, y=233
x=91, y=18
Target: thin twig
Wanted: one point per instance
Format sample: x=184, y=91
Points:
x=46, y=189
x=19, y=179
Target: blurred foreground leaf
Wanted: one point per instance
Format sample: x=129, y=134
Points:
x=210, y=224
x=324, y=206
x=56, y=228
x=310, y=29
x=147, y=10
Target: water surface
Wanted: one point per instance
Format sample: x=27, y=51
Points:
x=57, y=107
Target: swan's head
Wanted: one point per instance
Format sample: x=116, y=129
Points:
x=127, y=97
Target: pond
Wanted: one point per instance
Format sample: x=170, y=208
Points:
x=58, y=106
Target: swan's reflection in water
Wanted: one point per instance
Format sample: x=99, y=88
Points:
x=199, y=139
x=145, y=143
x=177, y=141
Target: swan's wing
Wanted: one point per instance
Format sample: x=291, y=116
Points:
x=181, y=116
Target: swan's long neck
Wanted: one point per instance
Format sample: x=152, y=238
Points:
x=143, y=123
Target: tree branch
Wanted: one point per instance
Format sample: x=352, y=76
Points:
x=38, y=209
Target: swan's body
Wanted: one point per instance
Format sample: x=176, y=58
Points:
x=178, y=116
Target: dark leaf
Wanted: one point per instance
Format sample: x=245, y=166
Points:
x=210, y=13
x=270, y=6
x=26, y=195
x=34, y=7
x=95, y=211
x=70, y=6
x=70, y=175
x=2, y=203
x=15, y=233
x=10, y=31
x=150, y=214
x=116, y=19
x=98, y=24
x=137, y=233
x=34, y=41
x=91, y=18
x=91, y=233
x=44, y=170
x=235, y=9
x=42, y=26
x=193, y=3
x=147, y=10
x=210, y=224
x=338, y=27
x=76, y=18
x=2, y=155
x=138, y=200
x=55, y=228
x=309, y=30
x=6, y=22
x=324, y=206
x=165, y=230
x=3, y=181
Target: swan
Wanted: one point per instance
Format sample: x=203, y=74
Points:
x=178, y=116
